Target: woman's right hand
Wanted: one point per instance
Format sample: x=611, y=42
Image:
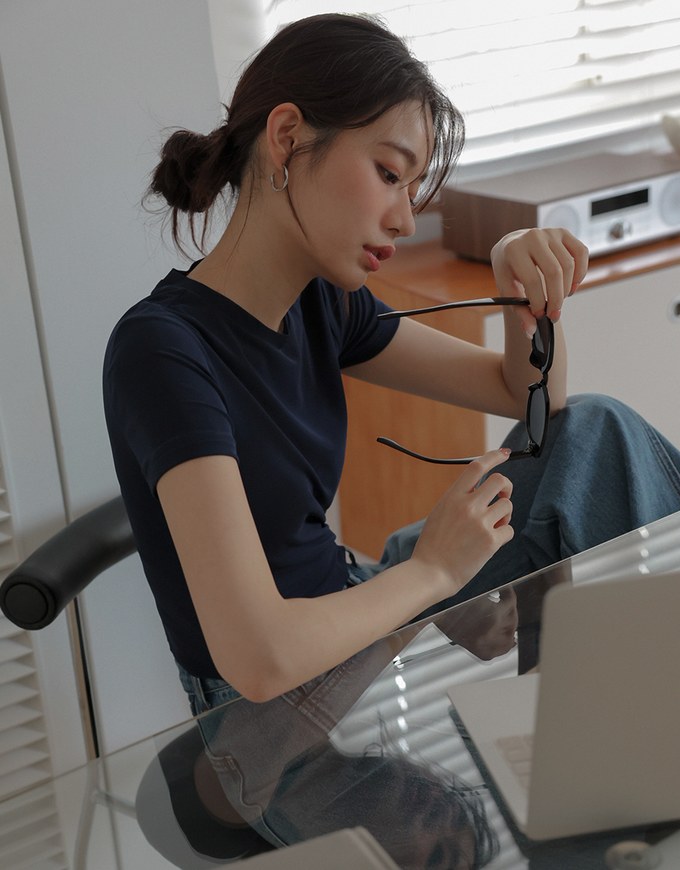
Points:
x=468, y=525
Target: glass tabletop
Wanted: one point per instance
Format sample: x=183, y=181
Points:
x=376, y=744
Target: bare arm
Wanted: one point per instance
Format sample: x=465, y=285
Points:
x=264, y=644
x=543, y=265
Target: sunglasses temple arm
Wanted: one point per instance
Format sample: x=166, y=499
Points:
x=395, y=446
x=471, y=303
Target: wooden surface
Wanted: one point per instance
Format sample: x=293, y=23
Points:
x=381, y=489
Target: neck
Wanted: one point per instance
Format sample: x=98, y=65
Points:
x=257, y=264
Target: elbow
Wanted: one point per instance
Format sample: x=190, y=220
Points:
x=258, y=680
x=261, y=696
x=259, y=691
x=258, y=659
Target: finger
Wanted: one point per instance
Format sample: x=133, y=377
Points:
x=550, y=258
x=548, y=263
x=500, y=513
x=522, y=312
x=511, y=264
x=511, y=286
x=496, y=486
x=534, y=284
x=580, y=255
x=567, y=266
x=470, y=478
x=521, y=257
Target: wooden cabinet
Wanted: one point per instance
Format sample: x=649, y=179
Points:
x=381, y=489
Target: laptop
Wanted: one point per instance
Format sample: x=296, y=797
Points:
x=599, y=727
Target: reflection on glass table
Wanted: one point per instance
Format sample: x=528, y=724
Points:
x=378, y=748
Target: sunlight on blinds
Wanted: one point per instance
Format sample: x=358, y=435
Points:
x=528, y=75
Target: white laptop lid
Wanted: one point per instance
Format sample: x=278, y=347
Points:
x=607, y=713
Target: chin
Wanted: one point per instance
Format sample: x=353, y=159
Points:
x=345, y=282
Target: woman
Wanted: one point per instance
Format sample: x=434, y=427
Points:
x=223, y=388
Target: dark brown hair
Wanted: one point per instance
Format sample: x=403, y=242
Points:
x=342, y=71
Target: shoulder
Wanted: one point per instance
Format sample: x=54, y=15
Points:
x=151, y=320
x=165, y=321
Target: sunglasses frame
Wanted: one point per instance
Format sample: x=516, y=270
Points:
x=541, y=357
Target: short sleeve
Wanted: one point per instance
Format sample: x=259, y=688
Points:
x=364, y=334
x=161, y=398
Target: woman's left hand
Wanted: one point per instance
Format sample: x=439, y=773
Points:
x=545, y=265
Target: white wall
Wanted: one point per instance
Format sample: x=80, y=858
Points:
x=89, y=86
x=33, y=488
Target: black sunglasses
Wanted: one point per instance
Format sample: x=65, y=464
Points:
x=538, y=403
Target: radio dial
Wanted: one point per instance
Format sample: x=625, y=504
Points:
x=620, y=230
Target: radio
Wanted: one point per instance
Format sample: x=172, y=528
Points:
x=609, y=201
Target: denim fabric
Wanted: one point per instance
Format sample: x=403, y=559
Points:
x=603, y=471
x=606, y=472
x=281, y=772
x=206, y=693
x=251, y=745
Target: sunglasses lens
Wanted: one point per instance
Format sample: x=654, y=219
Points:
x=537, y=414
x=542, y=345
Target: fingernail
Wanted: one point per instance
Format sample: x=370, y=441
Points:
x=506, y=451
x=530, y=332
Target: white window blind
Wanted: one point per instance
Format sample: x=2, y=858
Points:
x=530, y=75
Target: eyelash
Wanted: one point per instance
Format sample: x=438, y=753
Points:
x=388, y=176
x=391, y=178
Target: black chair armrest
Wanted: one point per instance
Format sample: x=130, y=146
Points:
x=36, y=591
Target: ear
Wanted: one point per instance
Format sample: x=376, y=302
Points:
x=286, y=130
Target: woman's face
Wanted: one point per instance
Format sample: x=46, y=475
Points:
x=358, y=200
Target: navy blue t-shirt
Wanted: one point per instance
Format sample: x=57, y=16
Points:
x=190, y=373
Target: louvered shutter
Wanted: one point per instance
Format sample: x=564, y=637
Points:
x=531, y=75
x=30, y=833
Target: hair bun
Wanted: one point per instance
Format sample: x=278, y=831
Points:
x=182, y=158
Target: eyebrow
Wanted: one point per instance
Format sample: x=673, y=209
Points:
x=411, y=158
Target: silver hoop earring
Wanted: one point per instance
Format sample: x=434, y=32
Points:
x=285, y=180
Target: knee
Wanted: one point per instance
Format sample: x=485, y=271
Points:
x=595, y=422
x=596, y=406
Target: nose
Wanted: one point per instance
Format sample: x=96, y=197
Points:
x=402, y=221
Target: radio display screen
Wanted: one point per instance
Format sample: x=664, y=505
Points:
x=620, y=201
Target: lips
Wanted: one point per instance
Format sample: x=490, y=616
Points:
x=381, y=253
x=376, y=255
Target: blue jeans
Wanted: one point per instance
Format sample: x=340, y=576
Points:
x=603, y=472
